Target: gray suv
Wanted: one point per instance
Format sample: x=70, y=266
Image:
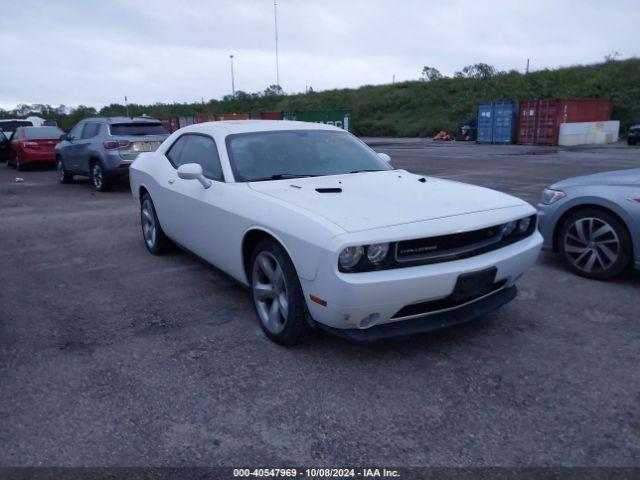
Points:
x=103, y=148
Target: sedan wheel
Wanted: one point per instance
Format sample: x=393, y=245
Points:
x=19, y=165
x=595, y=245
x=277, y=295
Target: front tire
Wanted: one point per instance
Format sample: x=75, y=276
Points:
x=631, y=141
x=154, y=237
x=595, y=244
x=63, y=175
x=277, y=295
x=19, y=164
x=99, y=178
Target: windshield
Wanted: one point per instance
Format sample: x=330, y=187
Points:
x=36, y=133
x=11, y=126
x=299, y=153
x=146, y=128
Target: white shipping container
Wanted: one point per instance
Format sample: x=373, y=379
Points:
x=588, y=133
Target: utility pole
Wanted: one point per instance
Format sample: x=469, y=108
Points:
x=527, y=71
x=233, y=85
x=275, y=21
x=126, y=104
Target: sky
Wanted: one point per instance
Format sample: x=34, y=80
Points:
x=94, y=52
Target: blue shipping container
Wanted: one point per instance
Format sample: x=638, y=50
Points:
x=497, y=121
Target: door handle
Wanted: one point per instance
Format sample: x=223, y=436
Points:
x=171, y=180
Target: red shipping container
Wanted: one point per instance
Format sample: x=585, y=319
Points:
x=204, y=118
x=540, y=119
x=266, y=115
x=170, y=124
x=231, y=116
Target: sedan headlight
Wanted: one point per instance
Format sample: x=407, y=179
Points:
x=350, y=256
x=377, y=252
x=550, y=196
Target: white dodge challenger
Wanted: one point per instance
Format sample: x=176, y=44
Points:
x=326, y=233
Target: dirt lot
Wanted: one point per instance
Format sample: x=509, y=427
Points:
x=111, y=356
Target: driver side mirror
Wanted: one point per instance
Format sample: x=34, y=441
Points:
x=385, y=157
x=64, y=137
x=193, y=171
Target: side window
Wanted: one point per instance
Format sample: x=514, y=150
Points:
x=173, y=154
x=199, y=149
x=90, y=130
x=74, y=133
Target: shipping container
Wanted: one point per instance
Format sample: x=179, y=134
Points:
x=339, y=118
x=497, y=121
x=186, y=121
x=589, y=133
x=204, y=118
x=231, y=116
x=171, y=124
x=266, y=115
x=540, y=120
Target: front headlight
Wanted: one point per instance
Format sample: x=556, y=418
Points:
x=377, y=252
x=350, y=256
x=550, y=196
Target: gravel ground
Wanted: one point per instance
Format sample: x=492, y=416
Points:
x=111, y=356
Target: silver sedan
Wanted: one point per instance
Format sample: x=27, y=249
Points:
x=594, y=222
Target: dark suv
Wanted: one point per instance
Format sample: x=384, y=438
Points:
x=103, y=148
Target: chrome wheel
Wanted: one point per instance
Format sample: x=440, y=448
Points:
x=591, y=245
x=97, y=176
x=149, y=228
x=270, y=292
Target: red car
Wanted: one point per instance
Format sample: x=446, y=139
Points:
x=33, y=145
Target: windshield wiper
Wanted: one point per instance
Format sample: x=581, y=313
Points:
x=280, y=176
x=365, y=170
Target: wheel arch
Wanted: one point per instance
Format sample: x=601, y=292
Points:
x=588, y=206
x=251, y=238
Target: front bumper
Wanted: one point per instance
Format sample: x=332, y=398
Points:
x=430, y=321
x=371, y=299
x=34, y=156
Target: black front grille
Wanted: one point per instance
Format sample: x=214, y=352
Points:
x=446, y=245
x=425, y=308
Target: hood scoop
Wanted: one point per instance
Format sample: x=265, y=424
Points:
x=329, y=190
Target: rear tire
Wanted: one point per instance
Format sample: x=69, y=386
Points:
x=631, y=141
x=595, y=244
x=154, y=237
x=99, y=178
x=63, y=175
x=19, y=164
x=277, y=296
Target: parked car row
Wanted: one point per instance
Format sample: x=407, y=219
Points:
x=326, y=233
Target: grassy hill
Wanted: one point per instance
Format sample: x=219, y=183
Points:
x=420, y=108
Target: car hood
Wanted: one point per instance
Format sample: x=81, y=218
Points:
x=629, y=177
x=382, y=199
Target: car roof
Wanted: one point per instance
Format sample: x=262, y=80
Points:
x=112, y=120
x=229, y=127
x=15, y=120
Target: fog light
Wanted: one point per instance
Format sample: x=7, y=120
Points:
x=369, y=320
